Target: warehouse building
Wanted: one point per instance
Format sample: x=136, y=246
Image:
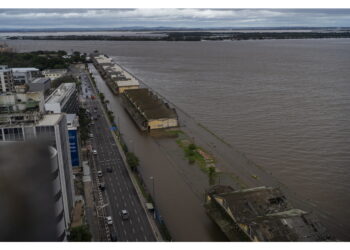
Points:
x=148, y=110
x=261, y=214
x=117, y=78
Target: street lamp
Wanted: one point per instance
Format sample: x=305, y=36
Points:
x=153, y=194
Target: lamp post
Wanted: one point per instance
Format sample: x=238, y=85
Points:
x=153, y=196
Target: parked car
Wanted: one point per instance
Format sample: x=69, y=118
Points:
x=109, y=220
x=113, y=236
x=102, y=186
x=99, y=173
x=124, y=214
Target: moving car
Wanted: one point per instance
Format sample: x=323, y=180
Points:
x=124, y=214
x=109, y=170
x=94, y=152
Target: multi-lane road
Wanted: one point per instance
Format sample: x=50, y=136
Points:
x=119, y=193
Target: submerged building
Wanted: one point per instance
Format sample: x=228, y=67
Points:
x=261, y=214
x=148, y=110
x=116, y=78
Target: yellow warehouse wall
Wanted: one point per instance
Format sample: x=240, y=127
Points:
x=163, y=123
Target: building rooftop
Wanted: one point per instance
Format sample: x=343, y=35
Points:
x=50, y=119
x=103, y=59
x=24, y=69
x=41, y=80
x=60, y=93
x=264, y=214
x=72, y=121
x=149, y=104
x=50, y=71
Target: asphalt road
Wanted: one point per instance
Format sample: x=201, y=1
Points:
x=119, y=193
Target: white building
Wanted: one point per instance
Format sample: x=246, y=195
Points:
x=23, y=75
x=54, y=73
x=6, y=79
x=63, y=99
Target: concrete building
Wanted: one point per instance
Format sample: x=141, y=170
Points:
x=40, y=84
x=59, y=197
x=6, y=79
x=63, y=100
x=261, y=214
x=148, y=110
x=54, y=73
x=23, y=75
x=20, y=104
x=22, y=118
x=53, y=129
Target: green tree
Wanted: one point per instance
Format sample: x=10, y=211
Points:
x=132, y=160
x=212, y=175
x=80, y=233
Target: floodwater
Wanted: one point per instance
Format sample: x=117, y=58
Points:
x=284, y=103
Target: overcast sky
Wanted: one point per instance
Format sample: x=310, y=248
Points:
x=201, y=18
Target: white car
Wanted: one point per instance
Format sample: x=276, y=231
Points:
x=99, y=173
x=94, y=152
x=109, y=220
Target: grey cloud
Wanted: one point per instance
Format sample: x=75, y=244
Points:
x=46, y=18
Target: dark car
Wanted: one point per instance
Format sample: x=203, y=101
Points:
x=113, y=236
x=102, y=186
x=109, y=170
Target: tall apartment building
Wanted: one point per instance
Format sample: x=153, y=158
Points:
x=63, y=100
x=26, y=121
x=6, y=79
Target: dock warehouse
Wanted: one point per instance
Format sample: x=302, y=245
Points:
x=148, y=110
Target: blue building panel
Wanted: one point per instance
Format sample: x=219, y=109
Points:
x=74, y=150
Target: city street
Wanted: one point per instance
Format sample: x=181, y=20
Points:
x=119, y=193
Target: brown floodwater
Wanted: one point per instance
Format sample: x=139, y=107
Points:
x=284, y=103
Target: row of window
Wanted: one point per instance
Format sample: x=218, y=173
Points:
x=11, y=134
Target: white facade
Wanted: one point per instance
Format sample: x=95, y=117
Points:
x=62, y=98
x=60, y=205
